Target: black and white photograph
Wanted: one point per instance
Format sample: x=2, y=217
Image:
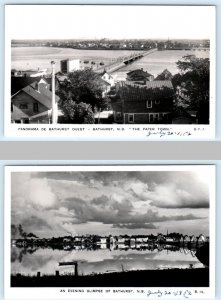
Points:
x=110, y=71
x=116, y=227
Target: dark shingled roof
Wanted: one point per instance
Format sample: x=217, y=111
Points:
x=139, y=72
x=18, y=83
x=152, y=90
x=39, y=92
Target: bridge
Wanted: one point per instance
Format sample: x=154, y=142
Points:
x=121, y=61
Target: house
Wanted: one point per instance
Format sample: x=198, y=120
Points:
x=143, y=104
x=33, y=103
x=139, y=76
x=106, y=86
x=70, y=65
x=28, y=73
x=169, y=239
x=108, y=78
x=18, y=83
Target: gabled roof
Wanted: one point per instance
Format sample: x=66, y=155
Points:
x=18, y=83
x=104, y=82
x=139, y=72
x=40, y=93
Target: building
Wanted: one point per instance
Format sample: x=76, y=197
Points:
x=18, y=83
x=108, y=78
x=28, y=73
x=139, y=76
x=33, y=103
x=105, y=86
x=70, y=65
x=148, y=104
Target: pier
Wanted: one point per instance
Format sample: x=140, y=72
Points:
x=120, y=62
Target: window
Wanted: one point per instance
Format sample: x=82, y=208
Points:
x=23, y=106
x=131, y=118
x=149, y=103
x=35, y=107
x=151, y=118
x=156, y=117
x=157, y=101
x=25, y=120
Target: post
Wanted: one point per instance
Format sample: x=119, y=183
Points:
x=76, y=269
x=54, y=104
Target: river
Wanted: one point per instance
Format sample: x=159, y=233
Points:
x=23, y=58
x=30, y=261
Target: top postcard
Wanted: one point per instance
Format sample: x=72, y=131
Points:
x=110, y=72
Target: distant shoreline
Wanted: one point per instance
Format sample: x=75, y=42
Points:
x=79, y=48
x=108, y=49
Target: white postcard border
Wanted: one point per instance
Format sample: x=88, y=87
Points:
x=107, y=293
x=112, y=132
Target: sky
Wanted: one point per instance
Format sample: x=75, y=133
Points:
x=110, y=202
x=109, y=21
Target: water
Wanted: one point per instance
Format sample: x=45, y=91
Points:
x=24, y=58
x=99, y=261
x=158, y=61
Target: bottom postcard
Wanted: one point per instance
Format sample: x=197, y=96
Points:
x=95, y=232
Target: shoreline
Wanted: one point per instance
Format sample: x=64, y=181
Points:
x=140, y=278
x=112, y=49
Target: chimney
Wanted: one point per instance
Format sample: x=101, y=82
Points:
x=54, y=104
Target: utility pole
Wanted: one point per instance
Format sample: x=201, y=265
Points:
x=54, y=104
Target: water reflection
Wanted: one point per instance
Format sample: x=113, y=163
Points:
x=29, y=260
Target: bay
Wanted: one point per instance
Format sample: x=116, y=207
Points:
x=30, y=261
x=23, y=58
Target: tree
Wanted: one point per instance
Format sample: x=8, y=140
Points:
x=77, y=113
x=165, y=75
x=81, y=95
x=193, y=81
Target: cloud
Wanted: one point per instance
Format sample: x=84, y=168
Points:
x=171, y=190
x=174, y=195
x=166, y=189
x=109, y=211
x=135, y=226
x=132, y=200
x=33, y=222
x=31, y=191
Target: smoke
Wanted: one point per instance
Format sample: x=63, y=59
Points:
x=18, y=232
